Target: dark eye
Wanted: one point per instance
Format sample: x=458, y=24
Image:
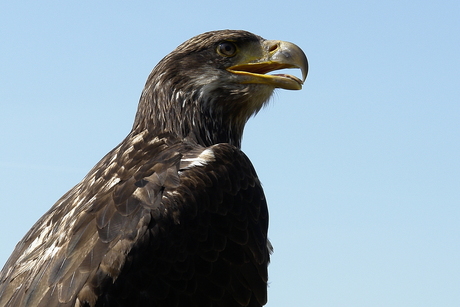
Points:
x=227, y=49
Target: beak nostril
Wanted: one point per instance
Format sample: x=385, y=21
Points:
x=273, y=47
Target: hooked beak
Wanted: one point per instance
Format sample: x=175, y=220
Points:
x=276, y=55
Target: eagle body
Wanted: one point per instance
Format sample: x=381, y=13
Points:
x=175, y=215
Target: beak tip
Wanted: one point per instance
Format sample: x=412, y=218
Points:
x=295, y=55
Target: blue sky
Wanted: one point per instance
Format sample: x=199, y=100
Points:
x=361, y=168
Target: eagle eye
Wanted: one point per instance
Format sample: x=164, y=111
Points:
x=227, y=49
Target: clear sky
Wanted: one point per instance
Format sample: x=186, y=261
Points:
x=361, y=168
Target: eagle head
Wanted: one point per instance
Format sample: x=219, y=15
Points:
x=209, y=86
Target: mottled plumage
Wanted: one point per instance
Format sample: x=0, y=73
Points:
x=175, y=215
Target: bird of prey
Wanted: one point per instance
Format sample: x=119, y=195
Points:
x=175, y=214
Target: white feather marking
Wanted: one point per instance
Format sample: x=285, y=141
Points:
x=202, y=159
x=138, y=138
x=153, y=141
x=113, y=181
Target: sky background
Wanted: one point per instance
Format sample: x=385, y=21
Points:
x=361, y=168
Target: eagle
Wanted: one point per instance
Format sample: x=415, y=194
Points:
x=175, y=215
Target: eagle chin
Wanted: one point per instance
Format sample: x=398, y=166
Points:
x=175, y=215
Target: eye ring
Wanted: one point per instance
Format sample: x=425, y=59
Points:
x=227, y=49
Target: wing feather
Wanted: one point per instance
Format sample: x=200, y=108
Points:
x=155, y=221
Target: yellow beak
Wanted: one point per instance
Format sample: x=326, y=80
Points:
x=276, y=55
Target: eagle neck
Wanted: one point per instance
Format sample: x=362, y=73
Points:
x=188, y=114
